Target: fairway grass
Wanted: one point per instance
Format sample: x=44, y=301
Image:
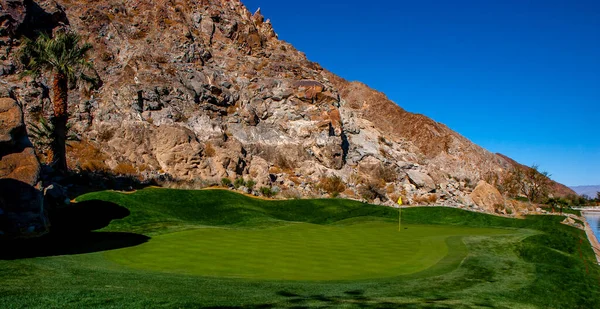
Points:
x=301, y=251
x=218, y=249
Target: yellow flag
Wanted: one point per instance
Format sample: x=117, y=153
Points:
x=400, y=201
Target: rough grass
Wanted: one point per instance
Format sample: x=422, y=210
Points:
x=544, y=264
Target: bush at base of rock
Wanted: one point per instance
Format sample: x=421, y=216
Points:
x=371, y=191
x=239, y=182
x=226, y=182
x=250, y=184
x=332, y=185
x=268, y=191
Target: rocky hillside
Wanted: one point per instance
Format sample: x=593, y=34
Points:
x=198, y=90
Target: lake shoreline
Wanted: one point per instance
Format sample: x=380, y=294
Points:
x=591, y=235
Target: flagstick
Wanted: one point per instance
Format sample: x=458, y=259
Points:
x=399, y=216
x=399, y=212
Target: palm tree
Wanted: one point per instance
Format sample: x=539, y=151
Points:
x=65, y=59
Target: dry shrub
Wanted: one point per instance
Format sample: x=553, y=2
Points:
x=106, y=56
x=93, y=166
x=350, y=193
x=332, y=185
x=261, y=65
x=106, y=136
x=402, y=194
x=390, y=189
x=140, y=34
x=355, y=178
x=209, y=150
x=291, y=193
x=193, y=184
x=296, y=180
x=125, y=169
x=86, y=156
x=386, y=173
x=372, y=190
x=231, y=109
x=161, y=59
x=428, y=199
x=171, y=71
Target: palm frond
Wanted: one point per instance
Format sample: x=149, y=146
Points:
x=42, y=133
x=64, y=54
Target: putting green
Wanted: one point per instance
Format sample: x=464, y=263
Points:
x=299, y=251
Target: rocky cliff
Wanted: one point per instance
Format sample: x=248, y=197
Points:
x=198, y=90
x=21, y=203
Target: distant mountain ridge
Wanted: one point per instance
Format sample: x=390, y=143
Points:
x=590, y=191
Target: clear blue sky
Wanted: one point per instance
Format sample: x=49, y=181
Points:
x=517, y=77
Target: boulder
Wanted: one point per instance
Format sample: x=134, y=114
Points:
x=487, y=196
x=21, y=204
x=421, y=180
x=11, y=120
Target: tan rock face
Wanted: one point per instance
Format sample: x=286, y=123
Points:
x=11, y=120
x=21, y=205
x=487, y=197
x=203, y=89
x=18, y=160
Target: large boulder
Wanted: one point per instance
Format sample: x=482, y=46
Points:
x=421, y=180
x=21, y=204
x=487, y=197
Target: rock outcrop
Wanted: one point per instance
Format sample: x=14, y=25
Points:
x=199, y=90
x=21, y=204
x=487, y=197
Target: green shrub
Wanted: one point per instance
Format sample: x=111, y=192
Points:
x=226, y=182
x=268, y=191
x=239, y=182
x=250, y=184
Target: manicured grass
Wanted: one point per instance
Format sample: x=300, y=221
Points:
x=539, y=263
x=299, y=251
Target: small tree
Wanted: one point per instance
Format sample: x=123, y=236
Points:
x=66, y=59
x=528, y=181
x=536, y=184
x=511, y=182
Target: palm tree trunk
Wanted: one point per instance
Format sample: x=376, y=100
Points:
x=59, y=102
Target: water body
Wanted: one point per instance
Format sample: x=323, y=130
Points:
x=593, y=219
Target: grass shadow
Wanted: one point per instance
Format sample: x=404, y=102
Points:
x=85, y=216
x=72, y=233
x=60, y=244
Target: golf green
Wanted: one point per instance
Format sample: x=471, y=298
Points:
x=299, y=251
x=217, y=249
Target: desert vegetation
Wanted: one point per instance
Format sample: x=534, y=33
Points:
x=333, y=185
x=64, y=57
x=528, y=182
